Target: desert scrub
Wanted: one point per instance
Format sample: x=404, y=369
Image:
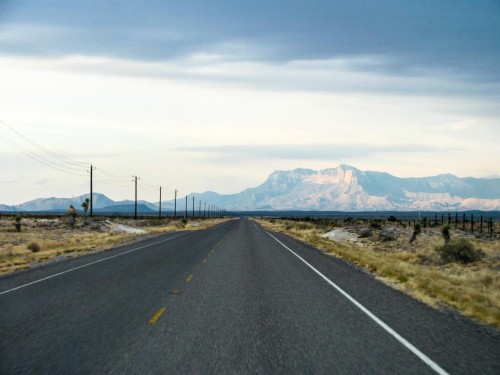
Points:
x=34, y=247
x=473, y=289
x=459, y=250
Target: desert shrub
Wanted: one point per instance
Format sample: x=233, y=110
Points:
x=365, y=233
x=302, y=226
x=376, y=224
x=34, y=247
x=392, y=218
x=386, y=237
x=459, y=250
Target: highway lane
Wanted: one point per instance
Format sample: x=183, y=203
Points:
x=232, y=299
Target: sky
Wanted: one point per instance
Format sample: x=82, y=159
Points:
x=216, y=95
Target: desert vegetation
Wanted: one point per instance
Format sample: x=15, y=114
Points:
x=35, y=240
x=442, y=267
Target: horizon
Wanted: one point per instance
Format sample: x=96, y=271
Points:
x=194, y=194
x=213, y=98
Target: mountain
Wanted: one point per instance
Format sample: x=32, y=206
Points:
x=343, y=188
x=100, y=201
x=346, y=188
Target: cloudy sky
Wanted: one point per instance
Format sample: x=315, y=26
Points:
x=215, y=95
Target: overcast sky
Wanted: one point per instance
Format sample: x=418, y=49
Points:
x=215, y=95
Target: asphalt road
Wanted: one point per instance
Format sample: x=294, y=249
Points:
x=231, y=299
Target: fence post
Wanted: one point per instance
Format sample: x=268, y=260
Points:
x=491, y=228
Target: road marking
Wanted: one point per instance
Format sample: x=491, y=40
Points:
x=157, y=315
x=388, y=329
x=256, y=227
x=88, y=264
x=188, y=279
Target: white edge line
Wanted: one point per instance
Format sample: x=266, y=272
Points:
x=396, y=335
x=89, y=264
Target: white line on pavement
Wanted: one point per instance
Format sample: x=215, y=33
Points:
x=396, y=335
x=88, y=264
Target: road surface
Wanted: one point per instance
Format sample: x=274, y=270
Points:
x=231, y=299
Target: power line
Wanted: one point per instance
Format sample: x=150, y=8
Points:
x=100, y=179
x=43, y=149
x=114, y=176
x=41, y=159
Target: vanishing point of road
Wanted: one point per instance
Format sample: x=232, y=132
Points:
x=232, y=299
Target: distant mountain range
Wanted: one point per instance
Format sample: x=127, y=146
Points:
x=343, y=188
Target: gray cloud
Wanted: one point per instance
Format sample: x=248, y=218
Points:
x=440, y=35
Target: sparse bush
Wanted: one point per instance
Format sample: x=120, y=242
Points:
x=376, y=224
x=392, y=218
x=34, y=247
x=365, y=233
x=459, y=250
x=386, y=237
x=303, y=226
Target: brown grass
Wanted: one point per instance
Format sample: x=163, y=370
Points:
x=473, y=290
x=55, y=238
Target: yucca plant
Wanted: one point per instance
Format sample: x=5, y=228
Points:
x=446, y=232
x=417, y=229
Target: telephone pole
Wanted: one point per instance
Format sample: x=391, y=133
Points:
x=193, y=207
x=204, y=209
x=159, y=211
x=175, y=205
x=199, y=210
x=186, y=209
x=135, y=205
x=91, y=193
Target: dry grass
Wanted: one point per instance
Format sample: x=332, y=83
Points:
x=56, y=239
x=416, y=269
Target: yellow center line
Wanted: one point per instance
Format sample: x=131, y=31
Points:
x=157, y=315
x=188, y=279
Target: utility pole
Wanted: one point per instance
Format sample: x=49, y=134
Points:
x=204, y=209
x=175, y=205
x=159, y=211
x=199, y=210
x=186, y=209
x=193, y=207
x=135, y=205
x=91, y=193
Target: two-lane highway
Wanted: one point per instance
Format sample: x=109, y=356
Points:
x=232, y=299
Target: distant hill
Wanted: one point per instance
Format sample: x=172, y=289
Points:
x=343, y=188
x=126, y=209
x=100, y=201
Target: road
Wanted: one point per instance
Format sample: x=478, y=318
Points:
x=231, y=299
